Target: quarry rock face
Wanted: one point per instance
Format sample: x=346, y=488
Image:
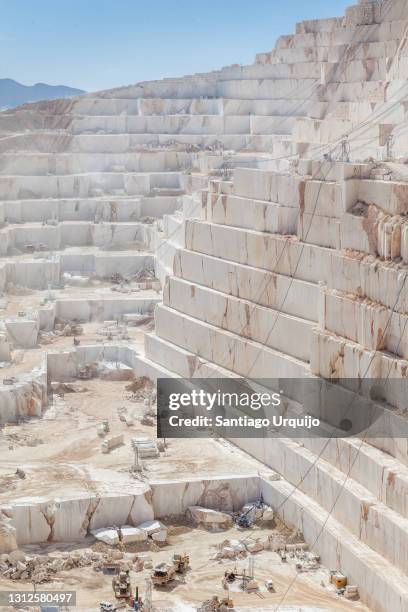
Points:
x=272, y=202
x=8, y=542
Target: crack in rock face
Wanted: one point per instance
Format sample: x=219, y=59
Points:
x=93, y=504
x=49, y=512
x=8, y=540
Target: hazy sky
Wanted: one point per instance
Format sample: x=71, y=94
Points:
x=97, y=44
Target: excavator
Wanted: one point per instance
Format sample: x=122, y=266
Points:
x=244, y=519
x=181, y=562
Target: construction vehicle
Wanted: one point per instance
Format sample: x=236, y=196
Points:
x=217, y=605
x=121, y=585
x=163, y=573
x=247, y=580
x=86, y=373
x=247, y=518
x=181, y=562
x=338, y=579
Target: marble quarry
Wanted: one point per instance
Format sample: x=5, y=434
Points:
x=257, y=216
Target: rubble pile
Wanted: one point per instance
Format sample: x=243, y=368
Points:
x=17, y=565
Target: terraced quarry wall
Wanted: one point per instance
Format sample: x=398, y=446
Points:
x=272, y=202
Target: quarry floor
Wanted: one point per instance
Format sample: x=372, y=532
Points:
x=61, y=452
x=308, y=592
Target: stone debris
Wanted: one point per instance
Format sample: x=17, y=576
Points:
x=114, y=371
x=60, y=388
x=39, y=569
x=154, y=530
x=68, y=329
x=231, y=549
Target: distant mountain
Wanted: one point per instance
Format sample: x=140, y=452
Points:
x=13, y=93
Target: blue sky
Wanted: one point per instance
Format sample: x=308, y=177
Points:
x=97, y=44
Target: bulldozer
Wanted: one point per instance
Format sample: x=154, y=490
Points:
x=121, y=585
x=163, y=573
x=181, y=562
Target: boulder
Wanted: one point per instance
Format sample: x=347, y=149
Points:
x=108, y=536
x=151, y=527
x=267, y=514
x=231, y=549
x=20, y=566
x=133, y=534
x=210, y=519
x=160, y=536
x=16, y=556
x=253, y=545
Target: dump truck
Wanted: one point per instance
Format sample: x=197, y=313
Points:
x=163, y=573
x=181, y=562
x=121, y=585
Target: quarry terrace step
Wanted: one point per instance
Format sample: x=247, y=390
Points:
x=337, y=545
x=171, y=124
x=76, y=163
x=226, y=349
x=353, y=34
x=39, y=273
x=347, y=272
x=241, y=212
x=73, y=234
x=372, y=326
x=100, y=107
x=384, y=477
x=86, y=184
x=293, y=296
x=103, y=208
x=381, y=528
x=272, y=328
x=368, y=512
x=183, y=362
x=140, y=143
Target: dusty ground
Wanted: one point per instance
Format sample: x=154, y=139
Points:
x=61, y=452
x=293, y=591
